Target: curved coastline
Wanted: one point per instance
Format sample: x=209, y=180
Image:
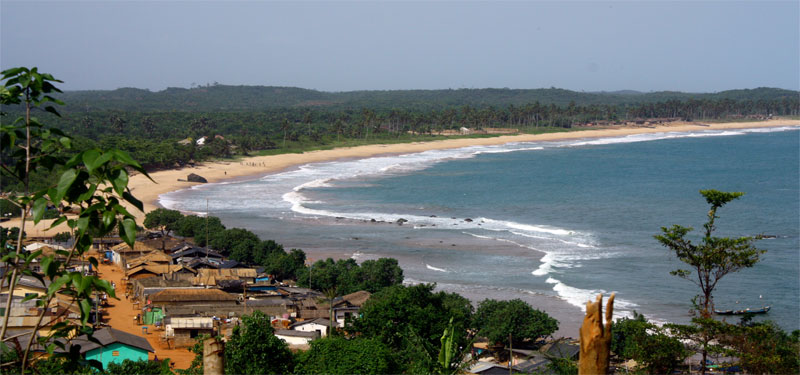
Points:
x=256, y=166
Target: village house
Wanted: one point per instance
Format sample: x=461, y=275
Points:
x=152, y=258
x=201, y=300
x=319, y=325
x=145, y=271
x=182, y=331
x=186, y=255
x=348, y=306
x=296, y=339
x=113, y=346
x=121, y=253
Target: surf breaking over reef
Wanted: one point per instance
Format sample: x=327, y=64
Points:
x=301, y=193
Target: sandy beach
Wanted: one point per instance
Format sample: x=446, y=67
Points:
x=170, y=180
x=174, y=179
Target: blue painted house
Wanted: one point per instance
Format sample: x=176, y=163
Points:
x=114, y=346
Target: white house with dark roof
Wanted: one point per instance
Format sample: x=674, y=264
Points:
x=295, y=338
x=319, y=325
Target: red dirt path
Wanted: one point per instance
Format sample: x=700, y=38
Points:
x=121, y=314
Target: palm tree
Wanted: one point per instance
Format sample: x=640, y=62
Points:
x=330, y=294
x=337, y=127
x=285, y=127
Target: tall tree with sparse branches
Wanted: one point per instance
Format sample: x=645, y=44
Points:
x=711, y=259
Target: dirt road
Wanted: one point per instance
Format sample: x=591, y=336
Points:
x=121, y=314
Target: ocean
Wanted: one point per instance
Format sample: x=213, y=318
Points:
x=564, y=220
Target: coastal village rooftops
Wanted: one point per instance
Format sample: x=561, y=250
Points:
x=191, y=295
x=233, y=272
x=320, y=321
x=157, y=269
x=353, y=299
x=196, y=252
x=155, y=257
x=108, y=336
x=138, y=246
x=38, y=245
x=230, y=263
x=293, y=333
x=488, y=368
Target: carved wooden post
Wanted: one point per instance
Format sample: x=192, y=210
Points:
x=213, y=357
x=595, y=338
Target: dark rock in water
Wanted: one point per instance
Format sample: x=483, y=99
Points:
x=453, y=217
x=468, y=220
x=433, y=215
x=768, y=236
x=400, y=221
x=196, y=178
x=372, y=221
x=339, y=218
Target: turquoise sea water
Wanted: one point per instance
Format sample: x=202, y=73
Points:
x=567, y=219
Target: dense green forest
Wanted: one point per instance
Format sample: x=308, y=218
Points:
x=222, y=98
x=162, y=129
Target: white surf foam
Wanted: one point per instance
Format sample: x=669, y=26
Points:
x=432, y=268
x=578, y=297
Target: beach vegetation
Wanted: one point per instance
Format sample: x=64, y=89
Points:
x=195, y=227
x=654, y=347
x=710, y=260
x=92, y=180
x=763, y=347
x=163, y=220
x=514, y=320
x=254, y=349
x=347, y=276
x=409, y=319
x=339, y=355
x=160, y=131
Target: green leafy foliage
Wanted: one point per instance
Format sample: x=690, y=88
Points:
x=338, y=355
x=163, y=220
x=254, y=349
x=636, y=338
x=764, y=348
x=143, y=367
x=195, y=226
x=714, y=257
x=196, y=367
x=499, y=320
x=398, y=314
x=710, y=260
x=95, y=181
x=347, y=276
x=62, y=237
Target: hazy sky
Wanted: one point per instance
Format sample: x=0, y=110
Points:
x=342, y=46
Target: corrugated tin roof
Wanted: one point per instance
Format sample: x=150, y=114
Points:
x=108, y=336
x=191, y=295
x=292, y=333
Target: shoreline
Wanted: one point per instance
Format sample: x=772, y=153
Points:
x=255, y=166
x=216, y=172
x=569, y=315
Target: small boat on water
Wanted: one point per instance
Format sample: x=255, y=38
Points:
x=762, y=310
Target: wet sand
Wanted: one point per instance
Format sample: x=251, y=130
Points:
x=169, y=180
